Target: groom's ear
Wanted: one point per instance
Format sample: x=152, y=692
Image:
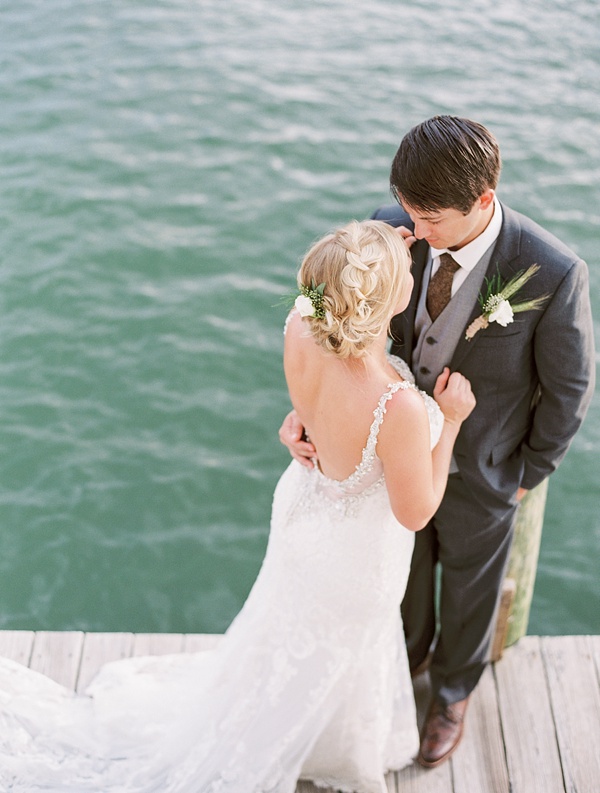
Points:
x=486, y=199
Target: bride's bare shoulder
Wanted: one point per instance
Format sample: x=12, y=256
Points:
x=301, y=355
x=299, y=341
x=297, y=330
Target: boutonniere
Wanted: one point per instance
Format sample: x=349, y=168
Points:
x=496, y=305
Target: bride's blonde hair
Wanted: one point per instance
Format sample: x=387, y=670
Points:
x=365, y=267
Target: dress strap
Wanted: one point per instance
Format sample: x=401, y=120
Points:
x=381, y=409
x=288, y=318
x=379, y=413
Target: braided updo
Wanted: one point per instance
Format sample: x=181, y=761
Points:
x=365, y=267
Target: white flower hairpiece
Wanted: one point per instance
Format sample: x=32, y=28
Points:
x=310, y=302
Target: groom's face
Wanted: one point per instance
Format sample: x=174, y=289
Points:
x=450, y=228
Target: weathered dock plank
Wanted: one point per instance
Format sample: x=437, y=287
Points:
x=533, y=723
x=575, y=699
x=198, y=642
x=415, y=779
x=528, y=728
x=157, y=643
x=17, y=645
x=480, y=761
x=99, y=649
x=57, y=654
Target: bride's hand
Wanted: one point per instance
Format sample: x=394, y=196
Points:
x=408, y=235
x=453, y=394
x=291, y=435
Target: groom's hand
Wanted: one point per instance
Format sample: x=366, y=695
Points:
x=291, y=434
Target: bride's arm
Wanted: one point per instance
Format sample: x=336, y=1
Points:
x=415, y=476
x=291, y=432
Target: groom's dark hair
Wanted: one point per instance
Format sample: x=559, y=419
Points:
x=445, y=162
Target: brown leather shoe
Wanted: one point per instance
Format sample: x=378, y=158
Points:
x=442, y=732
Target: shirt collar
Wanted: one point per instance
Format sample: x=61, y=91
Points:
x=470, y=254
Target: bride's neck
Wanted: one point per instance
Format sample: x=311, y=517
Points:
x=375, y=360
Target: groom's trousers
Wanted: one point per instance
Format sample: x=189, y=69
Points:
x=472, y=544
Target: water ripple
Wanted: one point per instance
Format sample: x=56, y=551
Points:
x=164, y=169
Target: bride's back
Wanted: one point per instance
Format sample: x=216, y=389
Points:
x=334, y=398
x=351, y=283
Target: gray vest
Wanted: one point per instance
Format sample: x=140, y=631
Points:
x=436, y=341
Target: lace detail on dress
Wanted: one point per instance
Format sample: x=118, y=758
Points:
x=401, y=367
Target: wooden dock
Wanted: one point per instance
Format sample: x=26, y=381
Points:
x=533, y=723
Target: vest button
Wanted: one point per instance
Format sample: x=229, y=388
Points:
x=424, y=370
x=431, y=340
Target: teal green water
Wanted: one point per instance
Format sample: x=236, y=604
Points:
x=164, y=166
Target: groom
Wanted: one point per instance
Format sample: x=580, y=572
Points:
x=533, y=379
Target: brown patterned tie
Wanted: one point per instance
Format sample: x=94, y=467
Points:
x=439, y=290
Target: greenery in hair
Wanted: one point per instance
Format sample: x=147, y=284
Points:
x=315, y=295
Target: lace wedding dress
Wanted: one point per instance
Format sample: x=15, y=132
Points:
x=310, y=681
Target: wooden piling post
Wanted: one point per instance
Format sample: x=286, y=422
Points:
x=517, y=592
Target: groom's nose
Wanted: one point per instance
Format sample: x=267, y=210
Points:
x=422, y=229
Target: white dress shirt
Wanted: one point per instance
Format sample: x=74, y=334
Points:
x=468, y=256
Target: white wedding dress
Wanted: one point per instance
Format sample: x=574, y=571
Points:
x=310, y=681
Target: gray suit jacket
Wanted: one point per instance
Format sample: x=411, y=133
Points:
x=534, y=379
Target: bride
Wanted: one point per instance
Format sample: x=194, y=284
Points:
x=311, y=680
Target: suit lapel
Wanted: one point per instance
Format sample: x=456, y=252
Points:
x=419, y=253
x=502, y=262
